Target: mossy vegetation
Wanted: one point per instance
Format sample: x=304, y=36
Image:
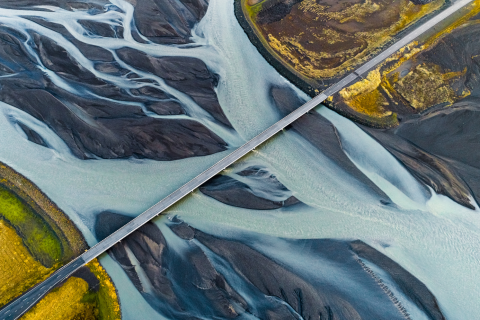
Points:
x=426, y=86
x=364, y=97
x=36, y=238
x=72, y=241
x=412, y=80
x=34, y=230
x=19, y=270
x=106, y=298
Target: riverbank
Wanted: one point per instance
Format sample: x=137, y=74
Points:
x=41, y=239
x=387, y=118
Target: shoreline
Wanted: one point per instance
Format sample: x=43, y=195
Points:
x=312, y=91
x=70, y=238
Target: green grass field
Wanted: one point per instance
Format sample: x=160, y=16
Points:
x=37, y=236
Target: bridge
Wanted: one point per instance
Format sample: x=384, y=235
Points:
x=22, y=304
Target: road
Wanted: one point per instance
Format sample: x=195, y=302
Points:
x=19, y=306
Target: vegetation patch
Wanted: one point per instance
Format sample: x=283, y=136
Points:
x=71, y=239
x=76, y=299
x=36, y=238
x=106, y=296
x=315, y=42
x=64, y=303
x=432, y=73
x=321, y=40
x=426, y=86
x=19, y=271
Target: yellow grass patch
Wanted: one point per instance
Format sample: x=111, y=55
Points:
x=75, y=300
x=107, y=299
x=18, y=269
x=370, y=83
x=321, y=40
x=371, y=103
x=425, y=86
x=64, y=303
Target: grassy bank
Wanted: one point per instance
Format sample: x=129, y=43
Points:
x=76, y=300
x=71, y=239
x=66, y=302
x=36, y=238
x=19, y=271
x=106, y=298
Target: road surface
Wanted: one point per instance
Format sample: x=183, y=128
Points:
x=19, y=306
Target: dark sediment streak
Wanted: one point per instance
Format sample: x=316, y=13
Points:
x=111, y=138
x=189, y=75
x=168, y=21
x=32, y=135
x=230, y=191
x=189, y=274
x=411, y=286
x=275, y=11
x=98, y=28
x=447, y=141
x=426, y=167
x=107, y=223
x=109, y=126
x=64, y=4
x=87, y=275
x=450, y=133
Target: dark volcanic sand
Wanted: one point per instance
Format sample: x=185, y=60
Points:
x=439, y=145
x=109, y=126
x=230, y=191
x=196, y=275
x=321, y=134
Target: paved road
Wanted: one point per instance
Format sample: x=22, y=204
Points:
x=16, y=308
